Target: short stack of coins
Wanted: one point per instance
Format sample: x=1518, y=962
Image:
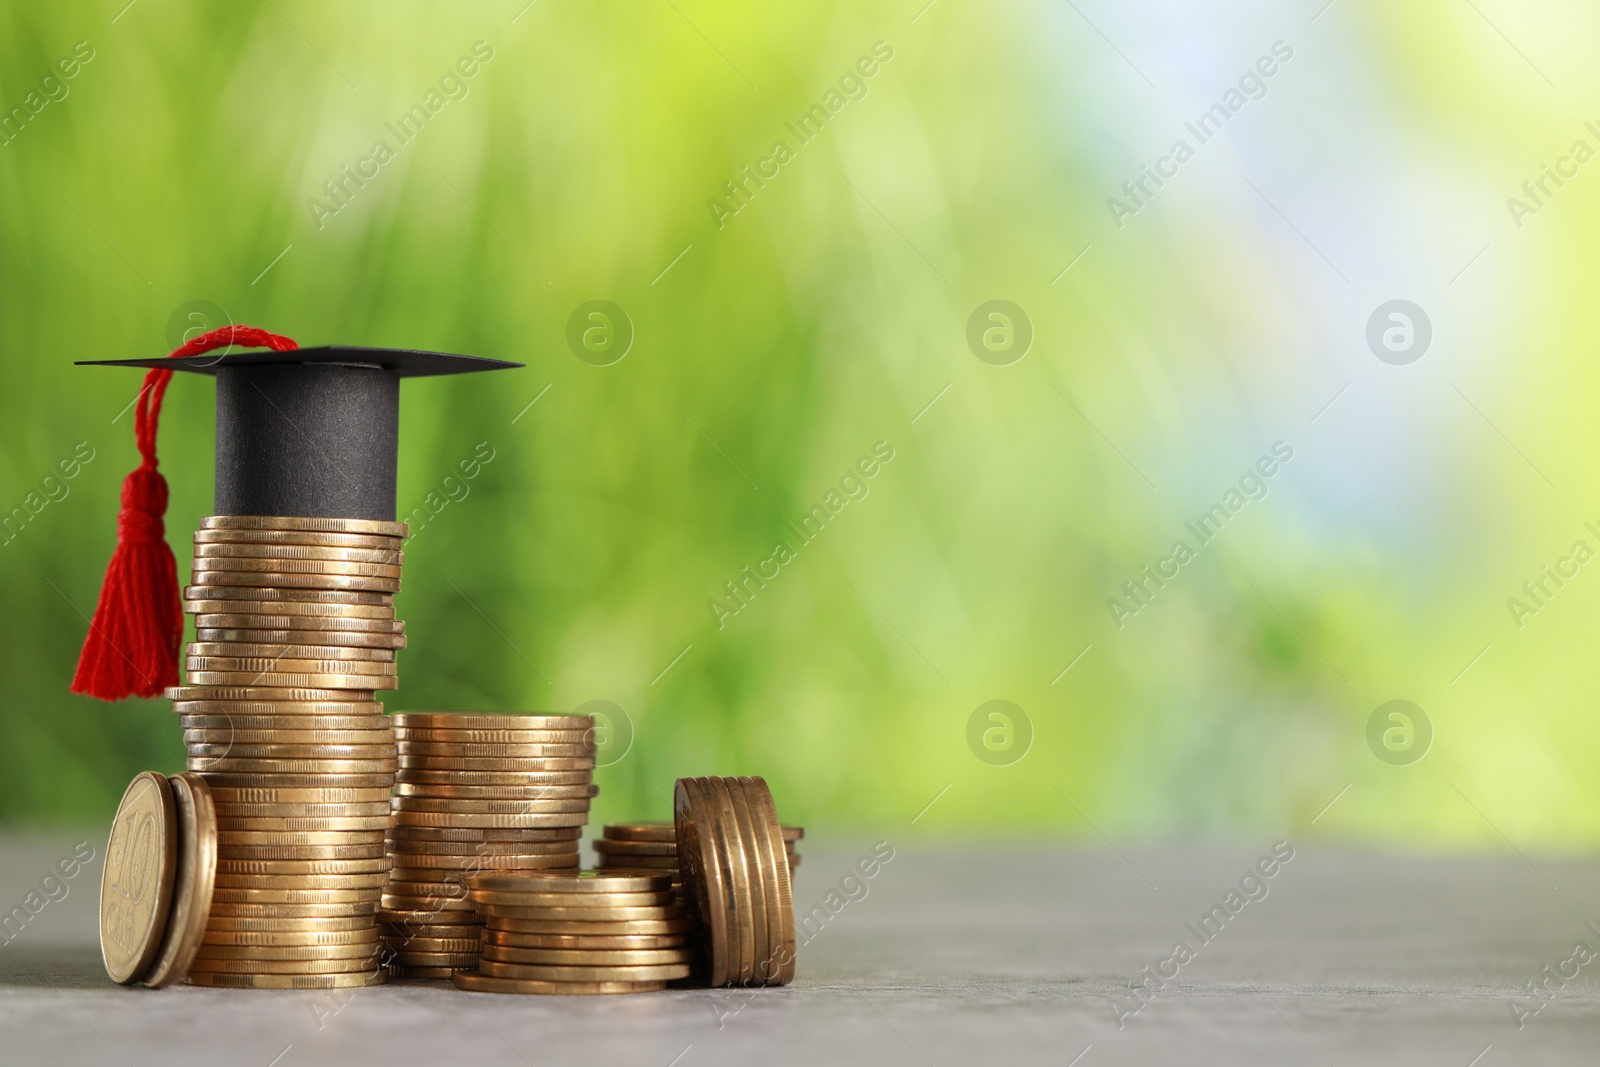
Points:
x=295, y=632
x=736, y=869
x=476, y=792
x=654, y=846
x=578, y=933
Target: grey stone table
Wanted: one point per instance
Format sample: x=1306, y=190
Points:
x=945, y=956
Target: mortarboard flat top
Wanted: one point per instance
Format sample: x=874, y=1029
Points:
x=404, y=362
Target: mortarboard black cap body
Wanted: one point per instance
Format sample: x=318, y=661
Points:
x=310, y=432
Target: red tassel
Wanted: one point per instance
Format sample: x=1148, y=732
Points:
x=132, y=645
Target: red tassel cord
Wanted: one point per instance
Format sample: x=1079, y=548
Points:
x=133, y=641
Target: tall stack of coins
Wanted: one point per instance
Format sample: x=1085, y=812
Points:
x=295, y=633
x=476, y=793
x=736, y=869
x=578, y=932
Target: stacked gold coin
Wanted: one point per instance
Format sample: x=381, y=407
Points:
x=578, y=932
x=476, y=793
x=654, y=846
x=736, y=869
x=295, y=633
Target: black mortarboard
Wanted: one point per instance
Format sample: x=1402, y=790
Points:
x=301, y=432
x=310, y=431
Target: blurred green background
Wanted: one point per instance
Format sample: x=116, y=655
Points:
x=174, y=179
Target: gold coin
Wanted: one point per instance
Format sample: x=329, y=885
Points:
x=263, y=765
x=524, y=764
x=280, y=918
x=707, y=888
x=404, y=918
x=423, y=776
x=212, y=566
x=459, y=910
x=426, y=973
x=137, y=881
x=457, y=820
x=496, y=737
x=407, y=946
x=651, y=913
x=344, y=625
x=227, y=916
x=286, y=665
x=212, y=954
x=658, y=973
x=354, y=979
x=479, y=983
x=404, y=931
x=665, y=832
x=238, y=895
x=568, y=901
x=241, y=715
x=589, y=928
x=279, y=600
x=257, y=750
x=490, y=807
x=356, y=783
x=302, y=801
x=285, y=736
x=453, y=960
x=305, y=525
x=610, y=862
x=408, y=868
x=596, y=883
x=293, y=615
x=379, y=865
x=289, y=727
x=211, y=580
x=353, y=965
x=355, y=682
x=289, y=938
x=264, y=700
x=277, y=653
x=392, y=557
x=484, y=848
x=636, y=848
x=319, y=638
x=612, y=957
x=496, y=792
x=745, y=916
x=307, y=824
x=450, y=720
x=302, y=838
x=193, y=881
x=489, y=834
x=780, y=968
x=584, y=942
x=475, y=751
x=298, y=537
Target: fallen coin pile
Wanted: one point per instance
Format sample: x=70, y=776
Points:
x=476, y=793
x=578, y=933
x=155, y=888
x=734, y=864
x=295, y=632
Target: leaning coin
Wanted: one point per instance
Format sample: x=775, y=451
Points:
x=658, y=973
x=473, y=982
x=755, y=871
x=309, y=525
x=137, y=881
x=224, y=549
x=699, y=852
x=193, y=884
x=780, y=967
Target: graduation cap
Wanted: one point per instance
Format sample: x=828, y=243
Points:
x=306, y=432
